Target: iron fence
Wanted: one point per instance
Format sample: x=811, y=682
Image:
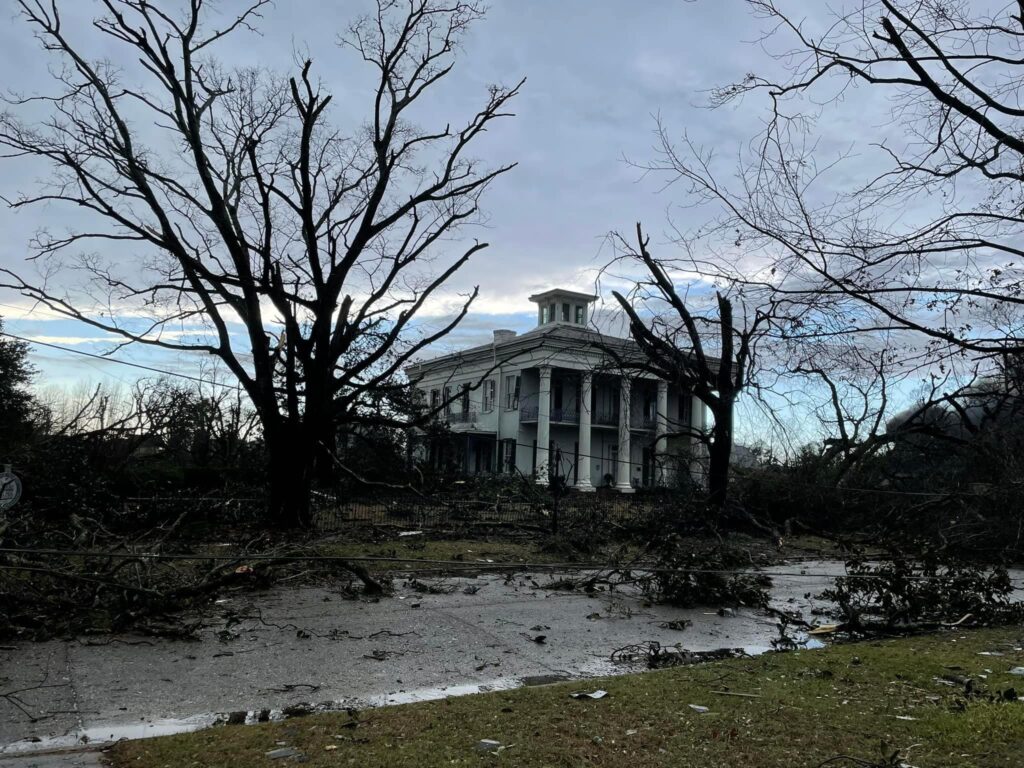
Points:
x=332, y=511
x=416, y=512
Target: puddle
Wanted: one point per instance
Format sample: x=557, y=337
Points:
x=442, y=692
x=107, y=734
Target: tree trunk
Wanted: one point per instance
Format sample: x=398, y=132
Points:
x=719, y=453
x=289, y=476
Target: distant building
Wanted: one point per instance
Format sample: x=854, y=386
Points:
x=552, y=404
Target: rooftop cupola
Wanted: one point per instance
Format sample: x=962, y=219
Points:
x=561, y=306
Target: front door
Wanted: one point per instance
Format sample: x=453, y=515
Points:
x=610, y=465
x=484, y=452
x=648, y=466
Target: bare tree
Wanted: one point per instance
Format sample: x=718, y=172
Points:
x=228, y=198
x=711, y=354
x=926, y=236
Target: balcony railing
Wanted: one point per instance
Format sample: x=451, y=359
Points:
x=461, y=417
x=605, y=418
x=643, y=421
x=565, y=415
x=557, y=416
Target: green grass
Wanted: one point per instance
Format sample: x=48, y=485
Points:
x=422, y=548
x=810, y=706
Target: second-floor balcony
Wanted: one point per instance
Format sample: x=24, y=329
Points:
x=461, y=417
x=599, y=418
x=530, y=412
x=643, y=421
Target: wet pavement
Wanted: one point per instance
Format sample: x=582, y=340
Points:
x=288, y=647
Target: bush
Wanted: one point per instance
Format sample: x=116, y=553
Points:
x=686, y=579
x=902, y=592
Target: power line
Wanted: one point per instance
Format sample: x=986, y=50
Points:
x=106, y=359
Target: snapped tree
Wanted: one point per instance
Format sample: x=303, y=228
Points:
x=242, y=221
x=676, y=344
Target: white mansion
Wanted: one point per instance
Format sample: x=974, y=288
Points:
x=550, y=402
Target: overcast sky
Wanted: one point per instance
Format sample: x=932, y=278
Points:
x=597, y=71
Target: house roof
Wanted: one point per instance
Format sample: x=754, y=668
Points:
x=562, y=293
x=556, y=335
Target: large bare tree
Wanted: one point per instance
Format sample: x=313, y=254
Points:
x=303, y=244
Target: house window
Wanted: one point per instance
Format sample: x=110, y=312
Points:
x=565, y=313
x=511, y=392
x=435, y=398
x=650, y=407
x=685, y=408
x=552, y=312
x=508, y=455
x=447, y=400
x=544, y=314
x=489, y=387
x=464, y=398
x=581, y=316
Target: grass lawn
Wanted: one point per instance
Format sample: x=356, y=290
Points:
x=425, y=548
x=532, y=550
x=866, y=701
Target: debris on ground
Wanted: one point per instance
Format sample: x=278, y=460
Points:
x=699, y=709
x=676, y=624
x=431, y=589
x=598, y=694
x=658, y=656
x=1017, y=671
x=489, y=745
x=825, y=629
x=282, y=753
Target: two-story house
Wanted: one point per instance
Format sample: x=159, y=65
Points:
x=550, y=402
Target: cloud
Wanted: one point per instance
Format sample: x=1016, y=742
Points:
x=70, y=341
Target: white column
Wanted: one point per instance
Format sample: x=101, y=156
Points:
x=543, y=425
x=624, y=467
x=697, y=448
x=661, y=439
x=584, y=461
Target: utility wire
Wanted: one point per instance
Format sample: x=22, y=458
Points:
x=104, y=358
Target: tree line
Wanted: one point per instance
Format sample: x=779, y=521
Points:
x=307, y=250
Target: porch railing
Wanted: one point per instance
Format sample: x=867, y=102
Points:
x=643, y=421
x=557, y=416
